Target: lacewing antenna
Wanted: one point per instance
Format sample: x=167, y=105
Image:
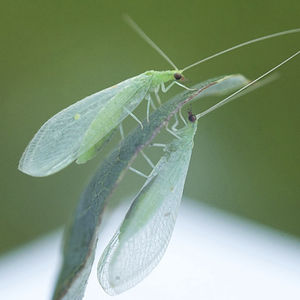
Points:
x=230, y=97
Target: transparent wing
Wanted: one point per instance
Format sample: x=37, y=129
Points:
x=143, y=237
x=58, y=141
x=116, y=110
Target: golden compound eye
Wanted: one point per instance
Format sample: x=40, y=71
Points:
x=177, y=76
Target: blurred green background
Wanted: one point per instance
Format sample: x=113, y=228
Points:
x=53, y=53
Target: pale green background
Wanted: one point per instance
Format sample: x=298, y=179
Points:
x=55, y=52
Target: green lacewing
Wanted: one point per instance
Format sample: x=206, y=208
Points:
x=78, y=132
x=143, y=237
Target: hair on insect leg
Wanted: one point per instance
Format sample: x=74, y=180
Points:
x=134, y=117
x=157, y=96
x=148, y=160
x=183, y=86
x=158, y=145
x=148, y=98
x=152, y=104
x=181, y=117
x=172, y=132
x=175, y=123
x=121, y=131
x=164, y=89
x=137, y=172
x=149, y=102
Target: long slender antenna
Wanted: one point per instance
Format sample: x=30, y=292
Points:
x=230, y=97
x=144, y=36
x=242, y=45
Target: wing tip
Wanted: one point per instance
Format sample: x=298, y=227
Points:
x=33, y=172
x=36, y=168
x=112, y=289
x=29, y=169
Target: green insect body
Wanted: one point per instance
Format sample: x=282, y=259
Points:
x=93, y=151
x=77, y=131
x=113, y=112
x=140, y=242
x=143, y=237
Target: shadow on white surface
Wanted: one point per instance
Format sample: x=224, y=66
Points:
x=212, y=255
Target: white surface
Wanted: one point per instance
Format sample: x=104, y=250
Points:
x=211, y=256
